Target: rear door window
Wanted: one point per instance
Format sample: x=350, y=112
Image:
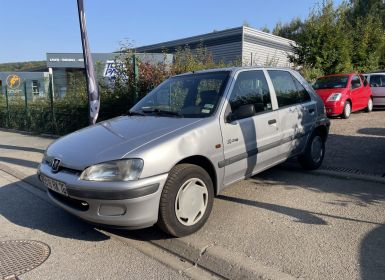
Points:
x=287, y=89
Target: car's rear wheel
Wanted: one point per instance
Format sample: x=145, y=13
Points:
x=347, y=110
x=314, y=152
x=369, y=108
x=186, y=200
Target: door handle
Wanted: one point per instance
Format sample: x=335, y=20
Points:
x=273, y=121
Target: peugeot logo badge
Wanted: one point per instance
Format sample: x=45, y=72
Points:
x=55, y=165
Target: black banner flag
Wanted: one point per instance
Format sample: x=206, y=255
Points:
x=92, y=87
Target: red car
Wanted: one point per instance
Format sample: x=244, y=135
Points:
x=343, y=94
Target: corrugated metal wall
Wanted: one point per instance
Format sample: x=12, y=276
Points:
x=241, y=44
x=224, y=45
x=260, y=48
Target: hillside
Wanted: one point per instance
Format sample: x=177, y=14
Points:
x=21, y=66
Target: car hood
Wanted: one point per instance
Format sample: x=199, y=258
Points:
x=112, y=139
x=325, y=93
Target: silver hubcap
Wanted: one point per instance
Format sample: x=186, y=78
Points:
x=191, y=202
x=370, y=104
x=316, y=149
x=347, y=109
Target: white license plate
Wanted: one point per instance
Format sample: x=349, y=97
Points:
x=54, y=185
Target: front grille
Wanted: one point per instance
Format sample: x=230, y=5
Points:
x=65, y=169
x=70, y=202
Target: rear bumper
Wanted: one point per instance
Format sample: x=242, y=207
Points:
x=131, y=205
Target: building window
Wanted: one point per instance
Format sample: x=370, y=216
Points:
x=35, y=87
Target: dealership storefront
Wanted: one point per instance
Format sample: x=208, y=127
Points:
x=30, y=84
x=66, y=68
x=66, y=65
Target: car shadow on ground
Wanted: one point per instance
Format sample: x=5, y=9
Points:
x=372, y=255
x=300, y=215
x=22, y=208
x=20, y=162
x=375, y=131
x=21, y=148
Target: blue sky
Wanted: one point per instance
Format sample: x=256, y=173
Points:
x=32, y=28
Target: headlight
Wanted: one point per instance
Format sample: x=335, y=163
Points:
x=118, y=170
x=334, y=97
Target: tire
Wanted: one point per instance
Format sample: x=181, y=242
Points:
x=314, y=152
x=369, y=108
x=185, y=183
x=347, y=110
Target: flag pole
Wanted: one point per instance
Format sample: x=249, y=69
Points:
x=92, y=88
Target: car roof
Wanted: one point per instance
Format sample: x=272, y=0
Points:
x=235, y=69
x=337, y=75
x=375, y=73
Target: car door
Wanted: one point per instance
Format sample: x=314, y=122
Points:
x=377, y=84
x=250, y=143
x=357, y=93
x=297, y=112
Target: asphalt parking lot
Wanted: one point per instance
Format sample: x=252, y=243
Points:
x=289, y=223
x=358, y=142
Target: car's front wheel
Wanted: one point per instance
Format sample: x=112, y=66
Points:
x=347, y=110
x=314, y=152
x=186, y=200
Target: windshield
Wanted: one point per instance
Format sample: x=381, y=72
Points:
x=190, y=96
x=331, y=82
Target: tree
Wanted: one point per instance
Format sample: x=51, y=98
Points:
x=323, y=41
x=289, y=30
x=349, y=37
x=365, y=8
x=265, y=29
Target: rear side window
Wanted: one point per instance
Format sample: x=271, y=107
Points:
x=251, y=88
x=377, y=81
x=288, y=90
x=303, y=95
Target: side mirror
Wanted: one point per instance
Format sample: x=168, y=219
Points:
x=242, y=112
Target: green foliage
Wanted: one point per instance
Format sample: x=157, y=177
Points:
x=21, y=66
x=349, y=37
x=289, y=30
x=265, y=29
x=311, y=73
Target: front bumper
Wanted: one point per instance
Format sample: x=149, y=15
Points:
x=133, y=204
x=334, y=108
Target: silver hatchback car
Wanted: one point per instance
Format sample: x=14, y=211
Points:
x=183, y=143
x=377, y=84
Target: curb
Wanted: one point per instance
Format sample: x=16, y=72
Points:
x=29, y=133
x=214, y=258
x=221, y=261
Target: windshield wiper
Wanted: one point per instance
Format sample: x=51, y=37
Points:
x=135, y=113
x=161, y=112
